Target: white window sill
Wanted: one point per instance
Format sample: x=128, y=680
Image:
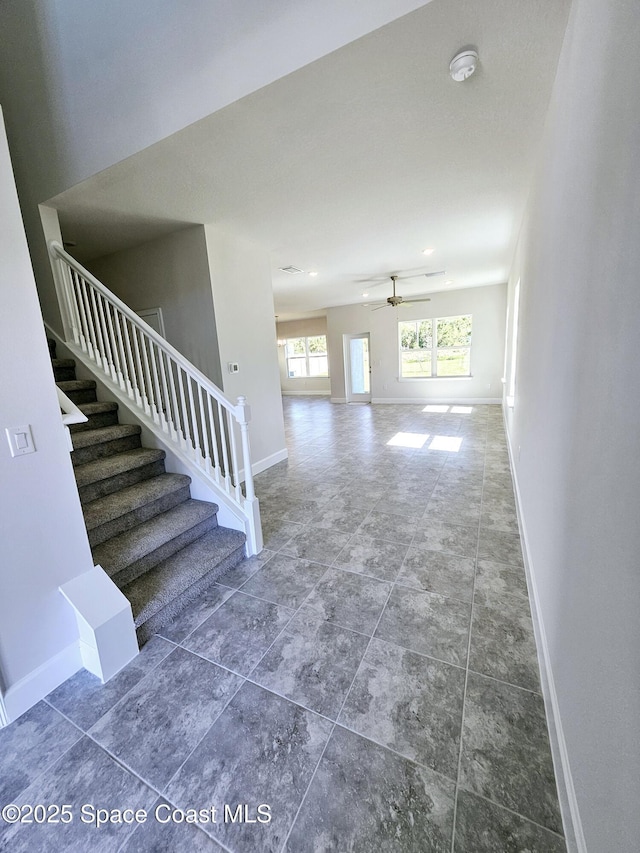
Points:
x=433, y=378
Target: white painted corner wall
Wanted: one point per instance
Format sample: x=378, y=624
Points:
x=573, y=431
x=240, y=274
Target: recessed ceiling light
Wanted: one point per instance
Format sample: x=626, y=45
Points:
x=428, y=251
x=365, y=295
x=449, y=282
x=313, y=273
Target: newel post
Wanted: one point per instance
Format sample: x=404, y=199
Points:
x=244, y=416
x=252, y=505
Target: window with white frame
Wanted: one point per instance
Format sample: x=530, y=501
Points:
x=306, y=357
x=440, y=346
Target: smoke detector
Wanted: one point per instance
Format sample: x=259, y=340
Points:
x=463, y=65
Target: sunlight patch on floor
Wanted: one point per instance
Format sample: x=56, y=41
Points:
x=414, y=440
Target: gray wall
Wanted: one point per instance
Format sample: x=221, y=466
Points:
x=171, y=273
x=486, y=304
x=574, y=430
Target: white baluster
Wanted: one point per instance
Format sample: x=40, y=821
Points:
x=174, y=399
x=183, y=412
x=196, y=431
x=94, y=351
x=139, y=370
x=108, y=352
x=223, y=441
x=214, y=439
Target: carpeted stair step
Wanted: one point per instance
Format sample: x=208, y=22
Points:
x=99, y=414
x=93, y=444
x=113, y=514
x=160, y=594
x=127, y=556
x=106, y=476
x=79, y=390
x=64, y=369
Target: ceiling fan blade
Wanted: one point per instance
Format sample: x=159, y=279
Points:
x=407, y=301
x=377, y=283
x=385, y=305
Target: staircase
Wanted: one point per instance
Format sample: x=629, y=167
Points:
x=159, y=546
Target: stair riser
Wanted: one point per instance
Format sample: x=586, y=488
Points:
x=84, y=395
x=143, y=513
x=93, y=491
x=177, y=605
x=64, y=374
x=102, y=419
x=130, y=573
x=104, y=449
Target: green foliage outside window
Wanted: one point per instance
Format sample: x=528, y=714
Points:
x=451, y=356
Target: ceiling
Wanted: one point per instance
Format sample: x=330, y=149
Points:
x=354, y=164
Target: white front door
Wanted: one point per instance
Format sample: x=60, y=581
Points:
x=358, y=368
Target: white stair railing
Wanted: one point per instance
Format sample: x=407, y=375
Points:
x=192, y=413
x=71, y=414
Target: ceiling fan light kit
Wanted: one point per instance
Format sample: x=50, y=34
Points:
x=463, y=65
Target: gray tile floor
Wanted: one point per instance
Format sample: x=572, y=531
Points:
x=369, y=682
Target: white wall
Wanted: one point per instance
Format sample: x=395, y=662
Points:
x=171, y=273
x=303, y=328
x=42, y=534
x=243, y=302
x=574, y=429
x=486, y=304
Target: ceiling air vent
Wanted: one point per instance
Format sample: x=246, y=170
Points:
x=291, y=270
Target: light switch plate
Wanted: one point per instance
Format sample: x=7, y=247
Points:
x=20, y=440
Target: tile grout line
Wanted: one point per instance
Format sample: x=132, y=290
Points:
x=466, y=678
x=346, y=696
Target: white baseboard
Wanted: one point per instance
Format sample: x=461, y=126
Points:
x=24, y=694
x=572, y=823
x=268, y=461
x=305, y=393
x=337, y=399
x=453, y=401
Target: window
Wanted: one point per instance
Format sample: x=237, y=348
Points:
x=437, y=347
x=306, y=357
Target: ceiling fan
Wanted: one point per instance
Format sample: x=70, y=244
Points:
x=394, y=300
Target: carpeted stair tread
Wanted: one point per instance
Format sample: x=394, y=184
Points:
x=71, y=385
x=111, y=466
x=101, y=435
x=64, y=369
x=112, y=506
x=128, y=548
x=99, y=414
x=96, y=408
x=166, y=584
x=102, y=441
